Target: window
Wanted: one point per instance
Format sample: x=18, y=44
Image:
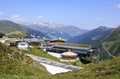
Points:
x=22, y=44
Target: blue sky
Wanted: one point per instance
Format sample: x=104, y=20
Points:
x=86, y=14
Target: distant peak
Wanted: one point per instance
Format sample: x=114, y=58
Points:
x=102, y=27
x=48, y=24
x=5, y=21
x=119, y=26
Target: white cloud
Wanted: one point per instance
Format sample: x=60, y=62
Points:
x=39, y=17
x=1, y=13
x=16, y=17
x=98, y=19
x=118, y=5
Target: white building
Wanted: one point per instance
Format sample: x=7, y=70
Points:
x=23, y=45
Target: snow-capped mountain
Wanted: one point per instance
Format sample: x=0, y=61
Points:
x=56, y=30
x=47, y=24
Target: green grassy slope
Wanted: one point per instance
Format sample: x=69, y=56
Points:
x=111, y=44
x=15, y=65
x=17, y=35
x=9, y=26
x=40, y=53
x=109, y=69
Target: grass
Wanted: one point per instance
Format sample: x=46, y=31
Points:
x=15, y=65
x=40, y=53
x=23, y=71
x=109, y=69
x=110, y=44
x=14, y=35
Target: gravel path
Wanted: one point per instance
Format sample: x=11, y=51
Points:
x=53, y=63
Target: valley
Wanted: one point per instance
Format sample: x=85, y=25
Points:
x=91, y=48
x=59, y=39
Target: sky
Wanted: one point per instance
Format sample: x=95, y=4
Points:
x=85, y=14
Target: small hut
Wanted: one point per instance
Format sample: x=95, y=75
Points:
x=69, y=56
x=13, y=43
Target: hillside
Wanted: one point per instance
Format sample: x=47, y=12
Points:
x=109, y=69
x=92, y=37
x=9, y=26
x=111, y=44
x=16, y=34
x=15, y=65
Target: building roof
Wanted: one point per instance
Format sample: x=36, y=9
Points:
x=58, y=40
x=76, y=45
x=23, y=42
x=72, y=47
x=69, y=54
x=30, y=39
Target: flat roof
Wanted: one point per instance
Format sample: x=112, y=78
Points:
x=72, y=47
x=76, y=45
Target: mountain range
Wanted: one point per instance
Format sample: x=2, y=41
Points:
x=54, y=30
x=93, y=37
x=73, y=34
x=7, y=27
x=42, y=29
x=15, y=64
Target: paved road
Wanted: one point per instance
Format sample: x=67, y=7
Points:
x=54, y=63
